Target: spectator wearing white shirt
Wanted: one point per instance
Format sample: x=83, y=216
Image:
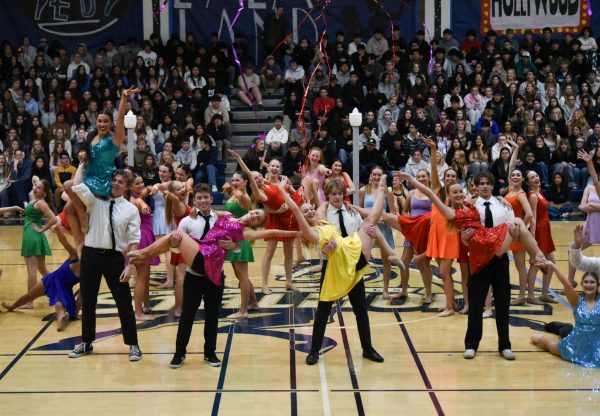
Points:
x=187, y=155
x=278, y=136
x=148, y=55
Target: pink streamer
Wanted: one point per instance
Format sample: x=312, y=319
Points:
x=162, y=7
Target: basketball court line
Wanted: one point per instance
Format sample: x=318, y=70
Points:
x=25, y=349
x=292, y=335
x=353, y=379
x=415, y=355
x=221, y=382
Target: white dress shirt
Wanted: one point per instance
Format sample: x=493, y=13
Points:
x=581, y=262
x=125, y=220
x=500, y=213
x=352, y=222
x=194, y=227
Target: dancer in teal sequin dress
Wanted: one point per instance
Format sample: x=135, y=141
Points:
x=101, y=148
x=582, y=345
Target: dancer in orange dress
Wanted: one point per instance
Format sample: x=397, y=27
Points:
x=517, y=198
x=540, y=225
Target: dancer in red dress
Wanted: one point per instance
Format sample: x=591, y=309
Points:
x=486, y=242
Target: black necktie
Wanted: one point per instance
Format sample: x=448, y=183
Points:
x=112, y=230
x=489, y=218
x=206, y=225
x=342, y=225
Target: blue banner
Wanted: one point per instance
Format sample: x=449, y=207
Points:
x=203, y=17
x=71, y=22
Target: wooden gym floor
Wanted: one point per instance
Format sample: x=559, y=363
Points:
x=263, y=357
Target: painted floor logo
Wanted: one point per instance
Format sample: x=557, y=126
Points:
x=282, y=309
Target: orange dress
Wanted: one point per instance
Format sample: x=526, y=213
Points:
x=176, y=258
x=443, y=243
x=543, y=233
x=485, y=241
x=519, y=213
x=416, y=230
x=285, y=220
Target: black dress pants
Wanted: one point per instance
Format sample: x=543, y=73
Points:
x=196, y=288
x=496, y=274
x=94, y=264
x=358, y=300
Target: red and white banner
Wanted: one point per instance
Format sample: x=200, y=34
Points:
x=520, y=15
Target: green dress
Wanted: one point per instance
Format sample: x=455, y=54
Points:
x=245, y=255
x=34, y=243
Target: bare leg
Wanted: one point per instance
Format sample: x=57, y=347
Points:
x=445, y=266
x=373, y=219
x=487, y=313
x=387, y=274
x=41, y=266
x=299, y=254
x=288, y=260
x=546, y=281
x=407, y=255
x=519, y=257
x=545, y=343
x=179, y=279
x=525, y=238
x=79, y=208
x=246, y=290
x=464, y=280
x=62, y=317
x=32, y=269
x=35, y=292
x=75, y=226
x=140, y=291
x=62, y=238
x=424, y=266
x=271, y=245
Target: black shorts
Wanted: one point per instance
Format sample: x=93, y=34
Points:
x=198, y=264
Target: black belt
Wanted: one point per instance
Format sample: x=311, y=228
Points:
x=101, y=250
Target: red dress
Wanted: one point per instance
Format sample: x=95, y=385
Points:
x=485, y=241
x=285, y=220
x=416, y=230
x=519, y=213
x=64, y=220
x=176, y=258
x=543, y=233
x=347, y=197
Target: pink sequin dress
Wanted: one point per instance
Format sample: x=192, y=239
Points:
x=214, y=256
x=485, y=242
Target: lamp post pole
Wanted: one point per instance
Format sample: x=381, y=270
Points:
x=355, y=122
x=130, y=122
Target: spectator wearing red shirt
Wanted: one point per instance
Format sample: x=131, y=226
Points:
x=69, y=107
x=323, y=103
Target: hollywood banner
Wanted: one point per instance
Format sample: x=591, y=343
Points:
x=203, y=17
x=71, y=22
x=519, y=15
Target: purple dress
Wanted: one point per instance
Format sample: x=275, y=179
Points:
x=592, y=223
x=147, y=236
x=214, y=256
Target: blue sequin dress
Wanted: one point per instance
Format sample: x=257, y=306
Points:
x=101, y=164
x=582, y=345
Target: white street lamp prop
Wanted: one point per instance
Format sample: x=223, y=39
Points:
x=355, y=122
x=130, y=122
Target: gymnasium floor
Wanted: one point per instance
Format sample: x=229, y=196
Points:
x=263, y=357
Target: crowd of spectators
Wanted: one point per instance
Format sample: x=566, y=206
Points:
x=474, y=95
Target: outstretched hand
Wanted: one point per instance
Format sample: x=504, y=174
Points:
x=579, y=236
x=130, y=91
x=234, y=154
x=585, y=156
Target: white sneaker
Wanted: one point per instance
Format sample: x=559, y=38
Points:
x=469, y=354
x=507, y=354
x=214, y=188
x=487, y=314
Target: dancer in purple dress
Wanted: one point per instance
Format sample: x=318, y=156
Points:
x=142, y=283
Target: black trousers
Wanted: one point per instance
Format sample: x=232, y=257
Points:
x=94, y=264
x=196, y=288
x=358, y=300
x=496, y=274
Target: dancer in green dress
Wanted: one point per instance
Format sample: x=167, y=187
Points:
x=239, y=204
x=35, y=246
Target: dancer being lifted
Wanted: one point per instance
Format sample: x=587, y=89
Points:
x=347, y=259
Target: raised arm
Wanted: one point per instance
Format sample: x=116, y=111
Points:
x=119, y=137
x=308, y=232
x=514, y=157
x=445, y=210
x=588, y=157
x=436, y=185
x=572, y=296
x=260, y=195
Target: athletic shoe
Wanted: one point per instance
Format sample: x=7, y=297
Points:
x=135, y=354
x=177, y=361
x=82, y=349
x=212, y=360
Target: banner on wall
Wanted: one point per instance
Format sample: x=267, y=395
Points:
x=71, y=22
x=203, y=17
x=520, y=15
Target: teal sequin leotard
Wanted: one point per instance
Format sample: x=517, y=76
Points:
x=100, y=166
